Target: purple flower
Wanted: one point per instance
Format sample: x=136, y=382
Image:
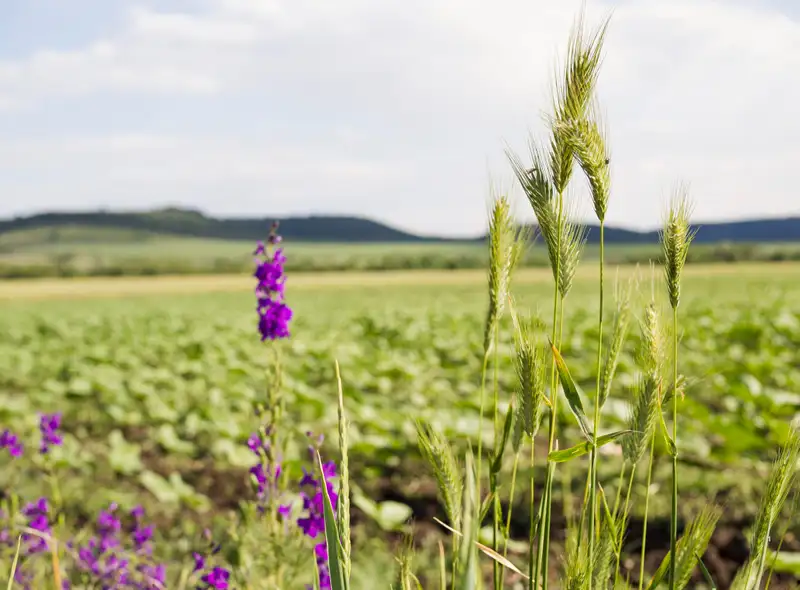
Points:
x=107, y=524
x=154, y=573
x=37, y=514
x=216, y=579
x=10, y=441
x=274, y=315
x=274, y=319
x=48, y=426
x=199, y=562
x=142, y=535
x=254, y=443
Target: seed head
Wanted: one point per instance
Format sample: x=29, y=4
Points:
x=676, y=237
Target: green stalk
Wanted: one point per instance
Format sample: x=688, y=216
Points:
x=483, y=407
x=619, y=487
x=508, y=516
x=673, y=533
x=625, y=516
x=551, y=466
x=544, y=525
x=533, y=569
x=593, y=467
x=497, y=440
x=646, y=510
x=584, y=504
x=566, y=493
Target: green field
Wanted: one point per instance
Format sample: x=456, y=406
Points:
x=80, y=251
x=156, y=378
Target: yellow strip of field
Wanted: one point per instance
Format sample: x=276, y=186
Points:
x=81, y=288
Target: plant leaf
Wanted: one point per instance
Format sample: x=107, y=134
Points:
x=705, y=572
x=584, y=447
x=497, y=462
x=338, y=580
x=14, y=564
x=572, y=393
x=786, y=562
x=487, y=550
x=673, y=450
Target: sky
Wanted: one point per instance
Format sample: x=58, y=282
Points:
x=397, y=110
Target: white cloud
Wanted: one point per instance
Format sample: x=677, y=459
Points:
x=400, y=109
x=118, y=170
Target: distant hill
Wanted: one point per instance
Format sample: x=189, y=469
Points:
x=183, y=222
x=190, y=223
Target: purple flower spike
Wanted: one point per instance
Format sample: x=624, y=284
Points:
x=11, y=442
x=274, y=315
x=48, y=427
x=217, y=579
x=199, y=562
x=37, y=514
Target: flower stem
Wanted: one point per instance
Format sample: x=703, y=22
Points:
x=483, y=409
x=497, y=510
x=646, y=510
x=673, y=534
x=623, y=520
x=535, y=527
x=596, y=425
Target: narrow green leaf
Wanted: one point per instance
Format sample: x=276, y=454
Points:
x=338, y=580
x=705, y=572
x=612, y=523
x=584, y=447
x=572, y=392
x=497, y=462
x=442, y=568
x=14, y=564
x=343, y=506
x=467, y=574
x=673, y=450
x=485, y=505
x=786, y=562
x=488, y=551
x=316, y=574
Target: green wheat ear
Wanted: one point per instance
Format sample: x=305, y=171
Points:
x=606, y=550
x=573, y=239
x=646, y=402
x=572, y=95
x=408, y=581
x=779, y=485
x=507, y=244
x=587, y=139
x=564, y=239
x=343, y=503
x=575, y=574
x=530, y=361
x=438, y=453
x=621, y=324
x=468, y=573
x=676, y=237
x=693, y=544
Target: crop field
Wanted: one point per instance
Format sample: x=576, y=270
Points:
x=69, y=252
x=156, y=379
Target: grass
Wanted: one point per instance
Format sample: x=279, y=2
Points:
x=86, y=252
x=172, y=372
x=723, y=280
